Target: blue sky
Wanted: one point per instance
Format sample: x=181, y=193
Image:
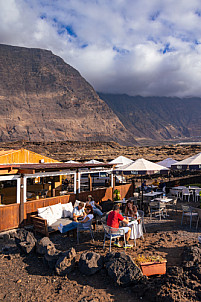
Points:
x=138, y=47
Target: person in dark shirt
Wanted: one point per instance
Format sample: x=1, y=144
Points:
x=113, y=220
x=144, y=185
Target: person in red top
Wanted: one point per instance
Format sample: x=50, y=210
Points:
x=113, y=220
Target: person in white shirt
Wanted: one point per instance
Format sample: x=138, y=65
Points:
x=73, y=225
x=78, y=212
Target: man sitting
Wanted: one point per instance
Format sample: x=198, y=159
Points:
x=113, y=220
x=78, y=212
x=74, y=224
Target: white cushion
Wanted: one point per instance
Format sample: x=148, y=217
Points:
x=77, y=202
x=57, y=210
x=46, y=213
x=67, y=210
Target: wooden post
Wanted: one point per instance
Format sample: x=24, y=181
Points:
x=133, y=184
x=21, y=214
x=90, y=182
x=52, y=188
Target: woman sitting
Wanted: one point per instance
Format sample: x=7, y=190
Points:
x=96, y=207
x=73, y=225
x=131, y=210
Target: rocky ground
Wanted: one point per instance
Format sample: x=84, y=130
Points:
x=27, y=277
x=83, y=151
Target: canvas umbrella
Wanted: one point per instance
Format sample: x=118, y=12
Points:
x=167, y=162
x=191, y=163
x=141, y=167
x=93, y=161
x=72, y=162
x=121, y=161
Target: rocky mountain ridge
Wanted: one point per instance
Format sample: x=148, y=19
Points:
x=157, y=118
x=44, y=99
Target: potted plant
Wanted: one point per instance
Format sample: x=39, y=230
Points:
x=151, y=265
x=117, y=195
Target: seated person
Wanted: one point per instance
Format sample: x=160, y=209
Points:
x=155, y=183
x=78, y=212
x=162, y=185
x=73, y=225
x=96, y=208
x=144, y=186
x=113, y=220
x=131, y=210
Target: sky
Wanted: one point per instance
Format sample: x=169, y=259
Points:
x=137, y=47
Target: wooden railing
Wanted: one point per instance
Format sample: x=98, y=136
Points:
x=10, y=214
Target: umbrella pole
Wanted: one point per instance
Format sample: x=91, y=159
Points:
x=142, y=194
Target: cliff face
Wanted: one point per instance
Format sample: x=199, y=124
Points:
x=157, y=118
x=43, y=98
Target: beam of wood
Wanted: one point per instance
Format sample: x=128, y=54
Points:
x=7, y=172
x=21, y=209
x=90, y=182
x=26, y=171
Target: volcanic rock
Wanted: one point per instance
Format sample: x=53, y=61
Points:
x=90, y=263
x=66, y=262
x=43, y=245
x=122, y=269
x=25, y=241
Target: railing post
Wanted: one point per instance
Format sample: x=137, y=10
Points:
x=90, y=182
x=21, y=213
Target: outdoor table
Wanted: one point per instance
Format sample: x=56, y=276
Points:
x=121, y=201
x=165, y=200
x=177, y=190
x=153, y=194
x=193, y=188
x=136, y=229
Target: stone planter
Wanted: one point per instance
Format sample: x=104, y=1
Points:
x=153, y=268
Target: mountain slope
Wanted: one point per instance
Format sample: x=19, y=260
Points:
x=43, y=98
x=157, y=118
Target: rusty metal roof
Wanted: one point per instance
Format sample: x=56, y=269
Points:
x=53, y=166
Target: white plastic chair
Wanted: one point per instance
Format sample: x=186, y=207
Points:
x=199, y=217
x=197, y=194
x=141, y=213
x=87, y=226
x=188, y=212
x=158, y=208
x=112, y=233
x=186, y=193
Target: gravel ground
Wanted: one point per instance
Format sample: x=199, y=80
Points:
x=27, y=278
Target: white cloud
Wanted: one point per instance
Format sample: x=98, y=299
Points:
x=132, y=46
